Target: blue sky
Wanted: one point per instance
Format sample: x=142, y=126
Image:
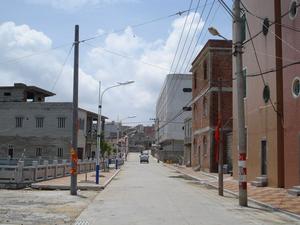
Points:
x=31, y=26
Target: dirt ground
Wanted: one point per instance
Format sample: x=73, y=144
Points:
x=42, y=207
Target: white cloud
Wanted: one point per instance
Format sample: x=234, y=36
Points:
x=73, y=5
x=42, y=70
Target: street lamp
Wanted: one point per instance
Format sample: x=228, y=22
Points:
x=99, y=123
x=118, y=130
x=213, y=31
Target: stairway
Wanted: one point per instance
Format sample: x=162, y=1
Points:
x=294, y=191
x=261, y=181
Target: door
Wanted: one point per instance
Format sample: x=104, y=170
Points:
x=80, y=153
x=10, y=153
x=263, y=157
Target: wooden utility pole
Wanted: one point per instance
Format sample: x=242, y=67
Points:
x=74, y=156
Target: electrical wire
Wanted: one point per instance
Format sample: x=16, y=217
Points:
x=194, y=34
x=62, y=68
x=260, y=69
x=125, y=56
x=181, y=34
x=179, y=13
x=33, y=54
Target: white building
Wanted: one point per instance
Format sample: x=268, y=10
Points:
x=32, y=128
x=170, y=116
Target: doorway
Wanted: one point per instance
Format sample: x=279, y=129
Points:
x=263, y=157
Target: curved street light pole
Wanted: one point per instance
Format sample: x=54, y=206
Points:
x=99, y=124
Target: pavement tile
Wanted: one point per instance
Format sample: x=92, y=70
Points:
x=275, y=197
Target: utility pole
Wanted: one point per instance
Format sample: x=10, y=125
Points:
x=118, y=130
x=98, y=136
x=74, y=156
x=242, y=170
x=220, y=166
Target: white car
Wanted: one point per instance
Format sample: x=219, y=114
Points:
x=144, y=158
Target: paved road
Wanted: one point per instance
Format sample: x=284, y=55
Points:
x=152, y=194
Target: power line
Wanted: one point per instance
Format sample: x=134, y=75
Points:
x=33, y=54
x=195, y=46
x=125, y=56
x=182, y=31
x=62, y=68
x=260, y=69
x=194, y=34
x=179, y=13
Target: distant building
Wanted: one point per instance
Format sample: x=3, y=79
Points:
x=34, y=129
x=187, y=141
x=170, y=116
x=213, y=62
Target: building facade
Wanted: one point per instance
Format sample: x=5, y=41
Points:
x=212, y=63
x=170, y=117
x=187, y=141
x=271, y=100
x=34, y=129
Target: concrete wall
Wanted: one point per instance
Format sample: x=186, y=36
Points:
x=49, y=138
x=291, y=102
x=261, y=119
x=169, y=103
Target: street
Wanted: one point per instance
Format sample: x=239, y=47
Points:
x=154, y=194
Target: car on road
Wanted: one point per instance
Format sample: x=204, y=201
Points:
x=144, y=158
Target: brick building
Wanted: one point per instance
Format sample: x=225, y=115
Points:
x=214, y=61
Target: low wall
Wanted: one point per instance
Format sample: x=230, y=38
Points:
x=19, y=176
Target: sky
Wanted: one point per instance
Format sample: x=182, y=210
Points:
x=125, y=40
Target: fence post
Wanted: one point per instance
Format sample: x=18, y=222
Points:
x=19, y=174
x=46, y=169
x=55, y=168
x=35, y=165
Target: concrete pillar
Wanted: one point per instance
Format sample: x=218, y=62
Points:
x=55, y=162
x=19, y=172
x=35, y=166
x=45, y=163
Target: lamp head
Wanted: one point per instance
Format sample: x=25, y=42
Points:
x=213, y=31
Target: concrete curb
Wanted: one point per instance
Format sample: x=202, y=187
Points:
x=81, y=187
x=236, y=195
x=111, y=178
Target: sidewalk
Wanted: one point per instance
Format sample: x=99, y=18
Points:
x=85, y=181
x=274, y=198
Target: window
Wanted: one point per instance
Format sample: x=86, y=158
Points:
x=266, y=93
x=7, y=94
x=195, y=79
x=205, y=70
x=61, y=122
x=204, y=145
x=10, y=151
x=296, y=87
x=81, y=124
x=38, y=152
x=266, y=25
x=60, y=152
x=39, y=122
x=204, y=106
x=19, y=121
x=293, y=9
